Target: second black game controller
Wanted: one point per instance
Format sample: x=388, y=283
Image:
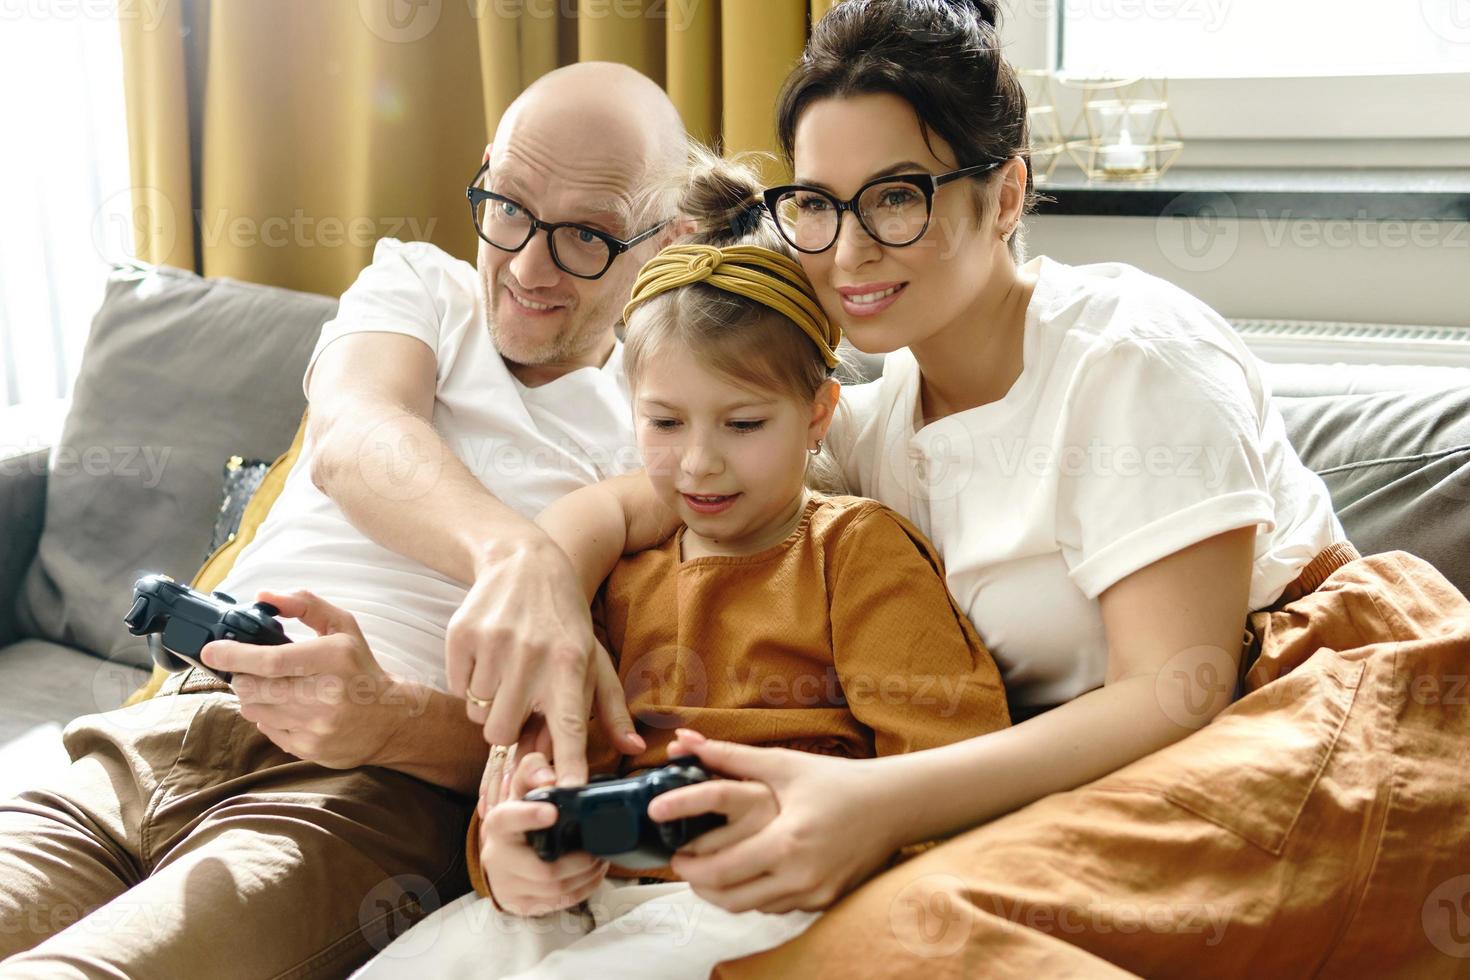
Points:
x=189, y=619
x=608, y=818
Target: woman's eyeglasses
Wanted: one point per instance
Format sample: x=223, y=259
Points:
x=576, y=249
x=894, y=211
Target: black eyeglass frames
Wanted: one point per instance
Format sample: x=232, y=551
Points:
x=577, y=250
x=894, y=210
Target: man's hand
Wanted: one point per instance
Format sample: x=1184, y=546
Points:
x=523, y=637
x=324, y=700
x=520, y=882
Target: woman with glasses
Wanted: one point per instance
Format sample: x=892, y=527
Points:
x=1220, y=766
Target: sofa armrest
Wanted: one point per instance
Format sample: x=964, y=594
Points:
x=22, y=513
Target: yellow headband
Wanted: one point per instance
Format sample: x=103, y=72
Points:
x=757, y=273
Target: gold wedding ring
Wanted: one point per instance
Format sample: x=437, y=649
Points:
x=482, y=702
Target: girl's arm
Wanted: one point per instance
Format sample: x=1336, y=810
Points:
x=598, y=524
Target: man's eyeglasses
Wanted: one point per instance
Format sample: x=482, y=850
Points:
x=894, y=211
x=576, y=249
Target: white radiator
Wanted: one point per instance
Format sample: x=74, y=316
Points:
x=1325, y=342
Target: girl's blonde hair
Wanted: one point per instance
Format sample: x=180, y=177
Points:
x=736, y=337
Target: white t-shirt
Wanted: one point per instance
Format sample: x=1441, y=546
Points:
x=528, y=446
x=1139, y=425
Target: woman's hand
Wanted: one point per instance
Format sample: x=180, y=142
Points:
x=520, y=882
x=789, y=843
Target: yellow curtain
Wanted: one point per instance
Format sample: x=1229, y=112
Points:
x=276, y=140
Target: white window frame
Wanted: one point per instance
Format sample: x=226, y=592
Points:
x=1276, y=110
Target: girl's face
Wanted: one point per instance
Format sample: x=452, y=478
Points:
x=729, y=460
x=885, y=298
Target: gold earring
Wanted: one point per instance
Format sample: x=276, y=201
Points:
x=818, y=450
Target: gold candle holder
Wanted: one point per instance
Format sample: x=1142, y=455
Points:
x=1131, y=134
x=1047, y=138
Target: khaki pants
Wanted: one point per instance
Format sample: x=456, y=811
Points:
x=182, y=843
x=1319, y=826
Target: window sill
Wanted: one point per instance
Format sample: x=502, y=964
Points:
x=1269, y=194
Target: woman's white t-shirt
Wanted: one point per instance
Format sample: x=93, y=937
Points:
x=527, y=446
x=1139, y=425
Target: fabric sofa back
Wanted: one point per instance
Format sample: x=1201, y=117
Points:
x=179, y=373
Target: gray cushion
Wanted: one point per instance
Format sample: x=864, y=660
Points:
x=22, y=506
x=179, y=373
x=43, y=683
x=1397, y=464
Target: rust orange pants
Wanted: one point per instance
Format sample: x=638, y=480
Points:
x=1319, y=826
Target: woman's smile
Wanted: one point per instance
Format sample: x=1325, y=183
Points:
x=870, y=299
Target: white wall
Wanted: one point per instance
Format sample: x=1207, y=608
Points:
x=1363, y=271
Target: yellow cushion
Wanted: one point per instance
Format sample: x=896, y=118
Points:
x=218, y=565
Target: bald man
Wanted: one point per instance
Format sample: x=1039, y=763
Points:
x=296, y=820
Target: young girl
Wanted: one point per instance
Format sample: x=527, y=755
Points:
x=776, y=615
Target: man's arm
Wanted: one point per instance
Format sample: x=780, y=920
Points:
x=523, y=634
x=379, y=457
x=436, y=742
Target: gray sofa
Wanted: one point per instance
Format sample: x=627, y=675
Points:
x=180, y=373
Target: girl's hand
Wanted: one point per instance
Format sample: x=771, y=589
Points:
x=520, y=882
x=789, y=843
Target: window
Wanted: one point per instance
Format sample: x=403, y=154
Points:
x=65, y=201
x=1270, y=70
x=1258, y=38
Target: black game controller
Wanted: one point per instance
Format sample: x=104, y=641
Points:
x=190, y=619
x=608, y=818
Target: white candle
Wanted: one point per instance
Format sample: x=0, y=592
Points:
x=1124, y=156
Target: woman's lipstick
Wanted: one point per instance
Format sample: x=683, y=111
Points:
x=870, y=299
